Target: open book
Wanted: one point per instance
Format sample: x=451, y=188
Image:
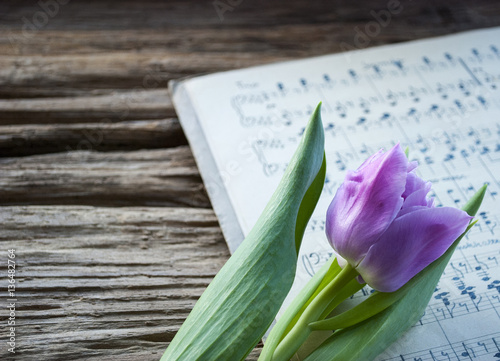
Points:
x=440, y=97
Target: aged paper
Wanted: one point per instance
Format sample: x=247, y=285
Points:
x=440, y=97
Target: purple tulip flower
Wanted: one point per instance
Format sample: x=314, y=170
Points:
x=381, y=222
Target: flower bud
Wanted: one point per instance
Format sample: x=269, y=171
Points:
x=381, y=222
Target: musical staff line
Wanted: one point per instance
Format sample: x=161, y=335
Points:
x=480, y=348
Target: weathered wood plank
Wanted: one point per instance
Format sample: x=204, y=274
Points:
x=166, y=177
x=81, y=15
x=115, y=284
x=297, y=40
x=104, y=282
x=117, y=106
x=77, y=74
x=22, y=140
x=110, y=57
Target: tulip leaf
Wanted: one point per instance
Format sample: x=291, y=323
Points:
x=298, y=304
x=365, y=340
x=309, y=203
x=243, y=299
x=375, y=303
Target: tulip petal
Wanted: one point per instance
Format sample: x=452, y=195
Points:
x=366, y=204
x=371, y=159
x=407, y=210
x=418, y=198
x=411, y=243
x=430, y=202
x=414, y=183
x=412, y=166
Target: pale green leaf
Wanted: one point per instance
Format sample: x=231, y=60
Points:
x=241, y=302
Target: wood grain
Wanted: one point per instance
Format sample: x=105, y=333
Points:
x=22, y=140
x=177, y=14
x=131, y=276
x=99, y=193
x=79, y=74
x=164, y=177
x=108, y=48
x=102, y=108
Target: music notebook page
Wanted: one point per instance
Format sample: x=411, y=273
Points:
x=440, y=97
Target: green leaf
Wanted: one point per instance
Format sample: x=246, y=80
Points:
x=309, y=203
x=407, y=151
x=375, y=303
x=243, y=299
x=365, y=340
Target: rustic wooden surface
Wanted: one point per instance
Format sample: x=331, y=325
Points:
x=99, y=193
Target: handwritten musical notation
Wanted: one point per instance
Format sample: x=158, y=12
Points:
x=439, y=97
x=479, y=348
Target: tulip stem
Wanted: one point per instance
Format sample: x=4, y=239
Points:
x=301, y=330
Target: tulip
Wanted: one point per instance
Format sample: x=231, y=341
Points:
x=370, y=327
x=387, y=233
x=381, y=222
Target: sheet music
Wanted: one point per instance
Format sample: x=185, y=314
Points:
x=440, y=97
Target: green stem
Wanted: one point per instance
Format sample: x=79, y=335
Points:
x=347, y=291
x=330, y=275
x=299, y=333
x=292, y=313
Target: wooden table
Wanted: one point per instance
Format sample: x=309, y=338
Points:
x=101, y=199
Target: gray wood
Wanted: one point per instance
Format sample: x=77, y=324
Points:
x=101, y=108
x=29, y=139
x=145, y=46
x=115, y=70
x=163, y=177
x=132, y=274
x=116, y=240
x=177, y=15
